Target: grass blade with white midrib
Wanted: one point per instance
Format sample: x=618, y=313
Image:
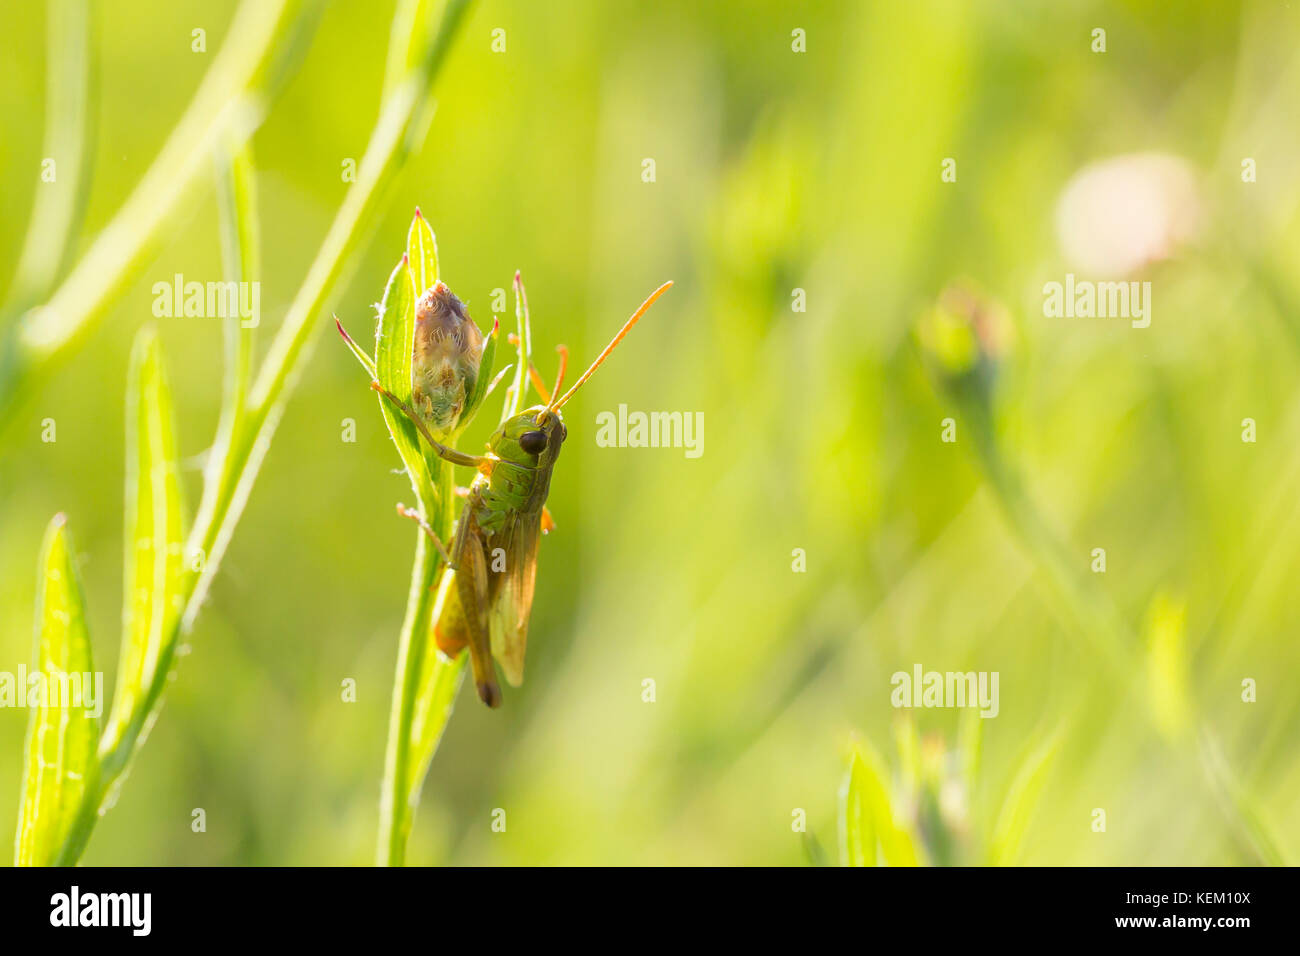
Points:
x=154, y=593
x=60, y=738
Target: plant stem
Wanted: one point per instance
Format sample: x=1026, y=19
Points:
x=394, y=812
x=400, y=127
x=411, y=742
x=394, y=801
x=1099, y=622
x=423, y=697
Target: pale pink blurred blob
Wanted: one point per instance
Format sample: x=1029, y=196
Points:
x=1119, y=215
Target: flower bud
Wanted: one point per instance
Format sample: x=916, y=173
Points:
x=445, y=364
x=964, y=330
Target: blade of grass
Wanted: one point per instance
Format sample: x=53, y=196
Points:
x=404, y=41
x=154, y=560
x=1021, y=800
x=240, y=241
x=240, y=257
x=857, y=836
x=869, y=828
x=69, y=120
x=265, y=37
x=60, y=739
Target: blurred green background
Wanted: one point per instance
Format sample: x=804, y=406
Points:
x=775, y=171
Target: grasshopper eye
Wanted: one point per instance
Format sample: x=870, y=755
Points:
x=533, y=442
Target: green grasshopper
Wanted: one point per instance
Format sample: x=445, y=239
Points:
x=505, y=509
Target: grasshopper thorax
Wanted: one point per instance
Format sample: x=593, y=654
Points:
x=523, y=453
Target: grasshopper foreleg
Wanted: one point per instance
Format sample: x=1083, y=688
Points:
x=445, y=453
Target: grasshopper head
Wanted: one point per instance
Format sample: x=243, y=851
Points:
x=536, y=432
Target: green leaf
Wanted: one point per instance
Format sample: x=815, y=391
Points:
x=394, y=344
x=1021, y=801
x=868, y=826
x=60, y=737
x=422, y=252
x=366, y=361
x=857, y=838
x=483, y=382
x=515, y=401
x=155, y=531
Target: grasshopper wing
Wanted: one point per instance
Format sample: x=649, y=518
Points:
x=514, y=599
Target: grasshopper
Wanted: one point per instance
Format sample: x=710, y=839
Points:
x=505, y=509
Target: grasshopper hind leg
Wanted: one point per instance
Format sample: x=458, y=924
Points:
x=418, y=518
x=472, y=588
x=464, y=618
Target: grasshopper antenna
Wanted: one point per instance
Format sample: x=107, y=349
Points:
x=537, y=378
x=557, y=404
x=564, y=364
